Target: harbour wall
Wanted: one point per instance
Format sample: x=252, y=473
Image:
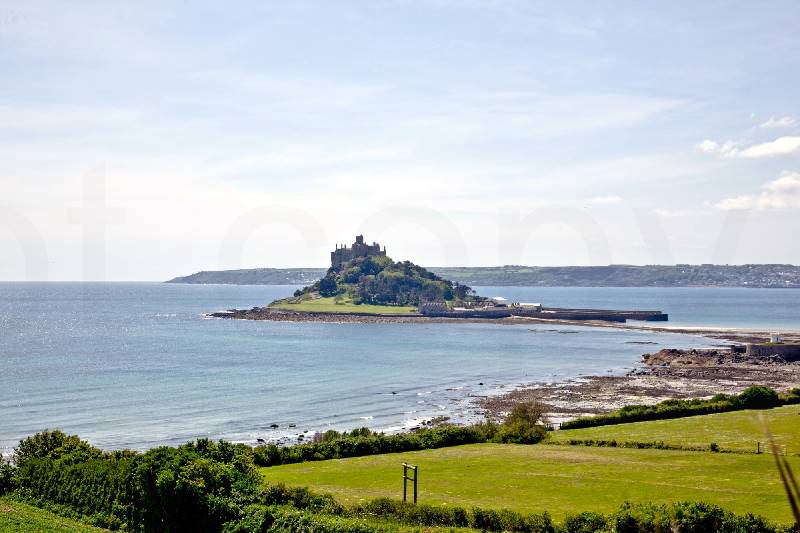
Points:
x=790, y=352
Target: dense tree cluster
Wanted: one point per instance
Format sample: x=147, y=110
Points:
x=380, y=280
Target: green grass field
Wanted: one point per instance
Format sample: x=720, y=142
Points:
x=23, y=518
x=735, y=431
x=557, y=479
x=328, y=305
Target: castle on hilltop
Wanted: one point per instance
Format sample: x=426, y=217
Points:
x=343, y=254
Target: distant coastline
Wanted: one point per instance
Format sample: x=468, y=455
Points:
x=744, y=276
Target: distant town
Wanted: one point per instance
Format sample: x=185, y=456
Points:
x=707, y=275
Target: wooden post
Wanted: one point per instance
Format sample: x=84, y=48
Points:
x=406, y=479
x=758, y=447
x=416, y=476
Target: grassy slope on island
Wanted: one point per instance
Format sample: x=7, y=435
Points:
x=557, y=479
x=733, y=431
x=332, y=305
x=24, y=518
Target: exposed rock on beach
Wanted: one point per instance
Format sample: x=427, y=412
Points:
x=667, y=374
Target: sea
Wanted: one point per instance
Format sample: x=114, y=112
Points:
x=138, y=365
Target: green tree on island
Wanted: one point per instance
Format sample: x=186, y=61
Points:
x=378, y=280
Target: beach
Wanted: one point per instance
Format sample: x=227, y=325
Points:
x=669, y=373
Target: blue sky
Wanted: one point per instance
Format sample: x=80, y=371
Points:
x=144, y=141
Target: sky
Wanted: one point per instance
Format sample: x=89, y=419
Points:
x=146, y=140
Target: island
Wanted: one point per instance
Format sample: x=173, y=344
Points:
x=364, y=284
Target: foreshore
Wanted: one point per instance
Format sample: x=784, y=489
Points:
x=665, y=375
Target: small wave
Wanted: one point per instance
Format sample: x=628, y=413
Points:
x=166, y=315
x=366, y=417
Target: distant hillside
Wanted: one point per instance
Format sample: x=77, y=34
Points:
x=254, y=276
x=570, y=276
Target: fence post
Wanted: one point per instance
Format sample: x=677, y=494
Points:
x=416, y=476
x=406, y=479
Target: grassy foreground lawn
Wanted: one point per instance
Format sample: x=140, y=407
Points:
x=328, y=305
x=557, y=479
x=737, y=431
x=20, y=517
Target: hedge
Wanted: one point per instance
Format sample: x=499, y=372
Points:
x=757, y=397
x=374, y=444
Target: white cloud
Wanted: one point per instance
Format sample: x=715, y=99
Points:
x=611, y=199
x=782, y=122
x=726, y=149
x=786, y=145
x=675, y=213
x=708, y=146
x=780, y=193
x=780, y=146
x=789, y=181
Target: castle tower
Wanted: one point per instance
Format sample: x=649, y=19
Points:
x=343, y=254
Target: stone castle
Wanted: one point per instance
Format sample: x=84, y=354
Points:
x=343, y=254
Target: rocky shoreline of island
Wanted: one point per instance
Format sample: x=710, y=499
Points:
x=284, y=315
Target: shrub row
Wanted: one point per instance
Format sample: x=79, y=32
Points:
x=640, y=445
x=382, y=515
x=757, y=397
x=681, y=517
x=7, y=476
x=272, y=455
x=517, y=430
x=453, y=516
x=93, y=488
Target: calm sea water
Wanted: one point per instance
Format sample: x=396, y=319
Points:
x=134, y=365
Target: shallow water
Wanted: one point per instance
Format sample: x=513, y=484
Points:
x=134, y=365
